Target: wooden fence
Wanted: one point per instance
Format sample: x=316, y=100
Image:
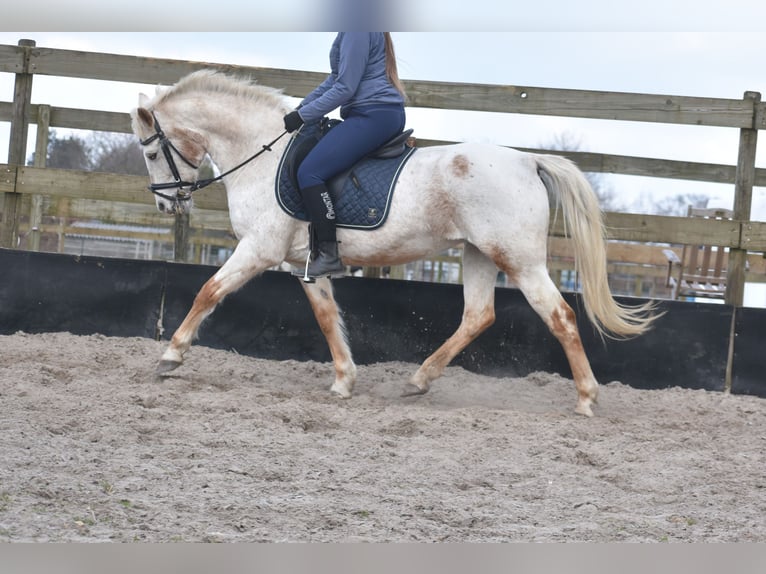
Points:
x=123, y=199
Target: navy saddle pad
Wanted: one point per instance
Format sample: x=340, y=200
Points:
x=361, y=195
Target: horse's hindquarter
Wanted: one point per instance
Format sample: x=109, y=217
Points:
x=484, y=194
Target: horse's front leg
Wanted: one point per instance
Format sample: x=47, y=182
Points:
x=320, y=295
x=242, y=266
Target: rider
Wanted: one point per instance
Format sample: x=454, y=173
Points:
x=364, y=83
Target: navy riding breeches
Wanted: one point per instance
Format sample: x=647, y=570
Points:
x=363, y=131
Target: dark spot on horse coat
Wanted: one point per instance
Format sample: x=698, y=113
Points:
x=460, y=166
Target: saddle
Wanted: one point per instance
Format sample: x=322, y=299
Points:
x=361, y=194
x=394, y=147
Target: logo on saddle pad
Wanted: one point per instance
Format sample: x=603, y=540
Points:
x=361, y=195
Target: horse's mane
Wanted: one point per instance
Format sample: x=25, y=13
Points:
x=215, y=82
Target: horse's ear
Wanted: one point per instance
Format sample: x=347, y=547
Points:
x=143, y=100
x=144, y=116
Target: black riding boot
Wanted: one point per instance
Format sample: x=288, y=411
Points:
x=321, y=213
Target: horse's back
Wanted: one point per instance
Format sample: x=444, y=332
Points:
x=488, y=195
x=476, y=176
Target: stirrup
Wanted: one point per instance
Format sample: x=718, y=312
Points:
x=339, y=270
x=306, y=278
x=304, y=274
x=332, y=274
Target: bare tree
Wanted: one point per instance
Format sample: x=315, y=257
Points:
x=673, y=205
x=65, y=153
x=115, y=153
x=103, y=151
x=100, y=151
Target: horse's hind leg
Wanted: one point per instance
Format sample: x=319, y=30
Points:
x=479, y=276
x=546, y=300
x=320, y=295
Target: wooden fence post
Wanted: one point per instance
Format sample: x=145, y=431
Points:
x=41, y=158
x=743, y=199
x=17, y=148
x=181, y=236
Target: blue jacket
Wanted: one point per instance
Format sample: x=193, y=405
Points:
x=357, y=77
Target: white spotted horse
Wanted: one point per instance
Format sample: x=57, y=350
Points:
x=491, y=200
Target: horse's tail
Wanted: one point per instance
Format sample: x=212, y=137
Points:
x=584, y=224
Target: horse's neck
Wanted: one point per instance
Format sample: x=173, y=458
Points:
x=235, y=134
x=258, y=151
x=234, y=138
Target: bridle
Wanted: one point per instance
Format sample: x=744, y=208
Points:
x=186, y=188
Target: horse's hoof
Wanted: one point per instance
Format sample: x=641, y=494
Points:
x=583, y=408
x=166, y=366
x=411, y=390
x=341, y=391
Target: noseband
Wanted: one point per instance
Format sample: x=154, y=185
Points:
x=186, y=188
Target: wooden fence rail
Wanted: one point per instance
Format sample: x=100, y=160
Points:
x=742, y=235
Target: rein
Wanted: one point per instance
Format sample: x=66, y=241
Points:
x=167, y=148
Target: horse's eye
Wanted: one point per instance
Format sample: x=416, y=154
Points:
x=152, y=156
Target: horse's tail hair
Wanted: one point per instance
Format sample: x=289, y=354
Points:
x=583, y=222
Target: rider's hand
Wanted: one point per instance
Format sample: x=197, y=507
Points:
x=293, y=121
